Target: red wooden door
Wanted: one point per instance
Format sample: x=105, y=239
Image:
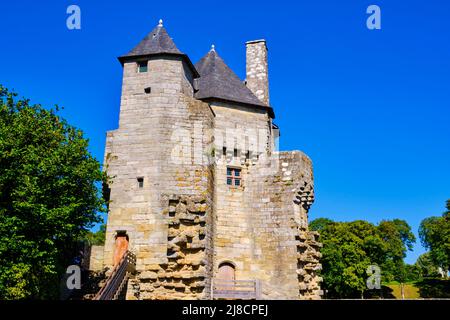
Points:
x=120, y=248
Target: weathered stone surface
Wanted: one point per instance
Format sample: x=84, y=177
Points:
x=186, y=220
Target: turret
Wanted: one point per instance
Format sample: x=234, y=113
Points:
x=154, y=71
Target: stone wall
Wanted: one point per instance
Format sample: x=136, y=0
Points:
x=96, y=258
x=277, y=216
x=257, y=223
x=241, y=137
x=155, y=141
x=185, y=275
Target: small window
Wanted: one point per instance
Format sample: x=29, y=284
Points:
x=224, y=151
x=142, y=66
x=234, y=177
x=140, y=181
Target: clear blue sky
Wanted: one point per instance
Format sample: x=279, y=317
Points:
x=371, y=108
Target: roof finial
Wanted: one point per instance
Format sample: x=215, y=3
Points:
x=160, y=23
x=213, y=47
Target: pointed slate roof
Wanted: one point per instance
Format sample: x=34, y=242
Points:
x=157, y=42
x=218, y=81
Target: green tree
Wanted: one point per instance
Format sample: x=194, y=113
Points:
x=399, y=239
x=319, y=224
x=97, y=238
x=350, y=247
x=434, y=234
x=426, y=266
x=346, y=255
x=49, y=197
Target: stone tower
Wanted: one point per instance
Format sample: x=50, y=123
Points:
x=197, y=190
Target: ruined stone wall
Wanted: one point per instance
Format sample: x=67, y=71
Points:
x=259, y=225
x=262, y=227
x=155, y=141
x=296, y=175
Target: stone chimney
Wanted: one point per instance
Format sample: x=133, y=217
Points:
x=257, y=69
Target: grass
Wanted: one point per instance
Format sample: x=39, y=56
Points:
x=427, y=288
x=410, y=291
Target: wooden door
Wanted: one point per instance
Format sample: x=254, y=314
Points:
x=226, y=272
x=120, y=248
x=225, y=277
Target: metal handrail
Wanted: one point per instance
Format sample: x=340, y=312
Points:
x=116, y=280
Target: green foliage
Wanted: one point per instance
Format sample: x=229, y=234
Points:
x=398, y=237
x=350, y=247
x=434, y=234
x=426, y=267
x=319, y=224
x=97, y=238
x=48, y=197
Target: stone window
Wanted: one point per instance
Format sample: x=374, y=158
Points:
x=140, y=181
x=142, y=66
x=234, y=177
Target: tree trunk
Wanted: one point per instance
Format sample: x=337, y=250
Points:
x=403, y=291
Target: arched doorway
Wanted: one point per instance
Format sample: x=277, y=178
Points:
x=226, y=271
x=121, y=246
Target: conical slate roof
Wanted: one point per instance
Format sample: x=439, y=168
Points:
x=218, y=81
x=157, y=42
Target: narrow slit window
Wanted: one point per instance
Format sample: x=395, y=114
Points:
x=234, y=177
x=142, y=66
x=140, y=181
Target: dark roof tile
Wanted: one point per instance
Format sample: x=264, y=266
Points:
x=156, y=42
x=217, y=80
